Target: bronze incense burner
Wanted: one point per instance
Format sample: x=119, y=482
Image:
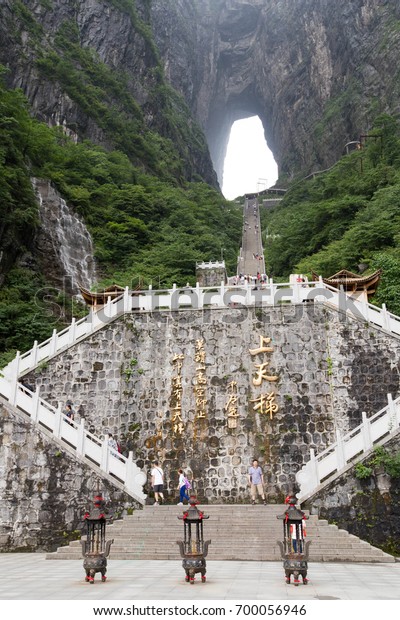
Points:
x=95, y=549
x=193, y=548
x=294, y=548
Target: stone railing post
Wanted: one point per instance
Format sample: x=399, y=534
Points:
x=127, y=305
x=296, y=293
x=80, y=440
x=15, y=366
x=104, y=465
x=108, y=309
x=307, y=477
x=365, y=308
x=366, y=432
x=71, y=332
x=34, y=353
x=273, y=290
x=53, y=343
x=129, y=471
x=58, y=419
x=314, y=478
x=199, y=294
x=90, y=320
x=340, y=455
x=386, y=318
x=35, y=405
x=393, y=423
x=14, y=391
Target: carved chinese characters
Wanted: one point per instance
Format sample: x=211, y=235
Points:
x=176, y=396
x=200, y=384
x=265, y=402
x=231, y=405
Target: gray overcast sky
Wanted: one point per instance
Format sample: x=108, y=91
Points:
x=249, y=164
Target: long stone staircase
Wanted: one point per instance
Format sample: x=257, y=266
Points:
x=237, y=532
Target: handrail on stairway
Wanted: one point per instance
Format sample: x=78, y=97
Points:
x=95, y=452
x=348, y=449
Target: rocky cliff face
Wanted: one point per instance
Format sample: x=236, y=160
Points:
x=45, y=491
x=314, y=74
x=63, y=244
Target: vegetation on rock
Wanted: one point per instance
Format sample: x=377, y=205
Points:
x=145, y=228
x=345, y=217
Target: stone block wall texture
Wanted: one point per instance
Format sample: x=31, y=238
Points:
x=368, y=508
x=211, y=276
x=124, y=379
x=44, y=491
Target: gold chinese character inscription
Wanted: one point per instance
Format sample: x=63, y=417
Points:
x=262, y=374
x=200, y=380
x=176, y=396
x=262, y=348
x=231, y=405
x=178, y=428
x=265, y=404
x=200, y=356
x=231, y=402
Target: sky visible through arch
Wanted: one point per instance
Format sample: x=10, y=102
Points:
x=249, y=164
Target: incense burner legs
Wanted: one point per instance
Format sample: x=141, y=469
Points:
x=296, y=568
x=192, y=566
x=93, y=565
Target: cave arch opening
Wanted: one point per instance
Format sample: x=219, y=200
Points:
x=249, y=164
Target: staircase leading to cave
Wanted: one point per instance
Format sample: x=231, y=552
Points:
x=251, y=260
x=237, y=532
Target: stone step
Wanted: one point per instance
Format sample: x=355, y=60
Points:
x=237, y=533
x=214, y=548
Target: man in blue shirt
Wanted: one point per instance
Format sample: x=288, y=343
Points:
x=256, y=482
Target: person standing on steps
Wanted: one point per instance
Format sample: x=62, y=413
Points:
x=157, y=482
x=256, y=482
x=183, y=486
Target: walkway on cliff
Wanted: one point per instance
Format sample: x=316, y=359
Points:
x=251, y=260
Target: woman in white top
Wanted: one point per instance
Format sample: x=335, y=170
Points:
x=157, y=482
x=182, y=486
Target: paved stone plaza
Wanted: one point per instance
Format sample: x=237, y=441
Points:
x=32, y=577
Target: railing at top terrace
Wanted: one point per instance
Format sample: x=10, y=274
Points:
x=93, y=451
x=333, y=460
x=211, y=265
x=197, y=298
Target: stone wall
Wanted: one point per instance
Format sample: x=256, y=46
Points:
x=44, y=491
x=368, y=508
x=210, y=276
x=124, y=379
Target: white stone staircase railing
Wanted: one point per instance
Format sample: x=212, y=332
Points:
x=95, y=452
x=197, y=298
x=348, y=449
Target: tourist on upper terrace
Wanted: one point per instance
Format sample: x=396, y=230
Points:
x=256, y=482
